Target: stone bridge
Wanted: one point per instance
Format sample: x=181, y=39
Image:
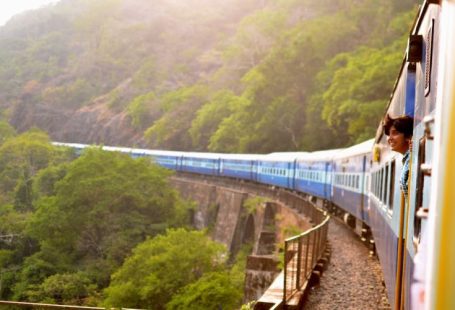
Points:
x=239, y=213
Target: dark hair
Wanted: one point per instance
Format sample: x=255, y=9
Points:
x=403, y=124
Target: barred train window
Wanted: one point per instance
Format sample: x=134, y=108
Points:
x=386, y=183
x=428, y=58
x=392, y=184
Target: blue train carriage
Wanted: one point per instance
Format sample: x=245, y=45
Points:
x=314, y=173
x=349, y=182
x=239, y=166
x=202, y=163
x=277, y=169
x=169, y=159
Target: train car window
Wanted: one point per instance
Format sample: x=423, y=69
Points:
x=373, y=183
x=376, y=184
x=381, y=179
x=386, y=184
x=392, y=184
x=428, y=58
x=419, y=194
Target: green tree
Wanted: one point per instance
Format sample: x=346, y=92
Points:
x=66, y=288
x=160, y=267
x=6, y=132
x=92, y=212
x=210, y=116
x=180, y=106
x=143, y=109
x=215, y=289
x=106, y=203
x=212, y=291
x=357, y=95
x=21, y=158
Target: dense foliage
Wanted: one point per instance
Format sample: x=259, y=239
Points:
x=98, y=229
x=66, y=223
x=218, y=75
x=179, y=270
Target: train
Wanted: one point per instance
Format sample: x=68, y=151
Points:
x=362, y=182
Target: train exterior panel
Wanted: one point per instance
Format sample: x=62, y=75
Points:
x=239, y=166
x=276, y=172
x=310, y=178
x=313, y=173
x=348, y=176
x=203, y=163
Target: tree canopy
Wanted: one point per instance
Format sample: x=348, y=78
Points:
x=160, y=267
x=73, y=221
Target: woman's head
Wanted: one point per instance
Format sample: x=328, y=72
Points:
x=399, y=132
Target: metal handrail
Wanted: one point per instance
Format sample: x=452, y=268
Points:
x=45, y=306
x=31, y=305
x=301, y=254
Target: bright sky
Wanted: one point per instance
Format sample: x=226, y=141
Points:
x=8, y=8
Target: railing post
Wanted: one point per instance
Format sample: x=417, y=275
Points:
x=299, y=258
x=313, y=253
x=285, y=270
x=306, y=255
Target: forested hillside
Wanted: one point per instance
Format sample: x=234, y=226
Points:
x=205, y=75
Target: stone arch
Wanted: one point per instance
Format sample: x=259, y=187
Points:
x=269, y=217
x=267, y=238
x=249, y=230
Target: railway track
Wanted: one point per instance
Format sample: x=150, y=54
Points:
x=353, y=279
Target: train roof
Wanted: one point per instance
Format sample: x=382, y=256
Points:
x=284, y=156
x=321, y=155
x=241, y=156
x=201, y=155
x=358, y=149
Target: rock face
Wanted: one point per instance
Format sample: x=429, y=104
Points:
x=91, y=124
